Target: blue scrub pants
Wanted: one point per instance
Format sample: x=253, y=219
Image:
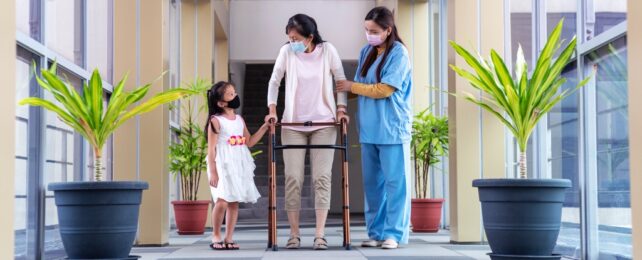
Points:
x=386, y=183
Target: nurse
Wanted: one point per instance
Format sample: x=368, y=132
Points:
x=383, y=84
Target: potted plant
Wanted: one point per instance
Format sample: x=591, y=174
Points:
x=521, y=216
x=187, y=164
x=97, y=219
x=429, y=143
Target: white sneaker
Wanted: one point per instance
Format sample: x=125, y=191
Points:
x=371, y=243
x=389, y=244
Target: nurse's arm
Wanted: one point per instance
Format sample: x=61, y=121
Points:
x=377, y=91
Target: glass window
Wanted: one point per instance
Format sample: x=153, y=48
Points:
x=557, y=10
x=601, y=15
x=23, y=87
x=608, y=63
x=563, y=156
x=521, y=29
x=174, y=182
x=28, y=17
x=174, y=58
x=64, y=28
x=99, y=37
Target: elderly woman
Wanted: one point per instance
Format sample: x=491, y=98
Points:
x=308, y=63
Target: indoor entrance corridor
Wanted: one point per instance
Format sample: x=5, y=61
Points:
x=130, y=93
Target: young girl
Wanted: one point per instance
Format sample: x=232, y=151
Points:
x=230, y=165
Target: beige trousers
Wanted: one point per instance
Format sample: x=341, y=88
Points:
x=321, y=163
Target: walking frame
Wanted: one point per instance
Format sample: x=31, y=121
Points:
x=272, y=147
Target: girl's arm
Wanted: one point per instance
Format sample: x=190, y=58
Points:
x=256, y=137
x=212, y=138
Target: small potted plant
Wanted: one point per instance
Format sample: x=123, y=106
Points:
x=521, y=217
x=188, y=164
x=429, y=143
x=97, y=219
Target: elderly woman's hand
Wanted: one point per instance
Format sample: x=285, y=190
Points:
x=344, y=86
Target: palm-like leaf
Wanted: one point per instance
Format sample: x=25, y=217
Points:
x=187, y=156
x=519, y=102
x=86, y=113
x=429, y=143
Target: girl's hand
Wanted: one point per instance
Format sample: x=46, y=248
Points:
x=265, y=126
x=344, y=86
x=214, y=180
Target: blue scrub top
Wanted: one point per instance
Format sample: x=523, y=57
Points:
x=386, y=120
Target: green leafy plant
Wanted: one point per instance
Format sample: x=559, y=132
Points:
x=519, y=102
x=187, y=156
x=87, y=114
x=429, y=143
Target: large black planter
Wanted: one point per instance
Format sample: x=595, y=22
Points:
x=522, y=216
x=98, y=220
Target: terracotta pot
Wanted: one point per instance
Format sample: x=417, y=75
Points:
x=191, y=216
x=425, y=215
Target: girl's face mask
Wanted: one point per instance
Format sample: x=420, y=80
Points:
x=234, y=103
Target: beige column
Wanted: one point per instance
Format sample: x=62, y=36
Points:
x=8, y=121
x=391, y=4
x=469, y=157
x=146, y=62
x=221, y=49
x=634, y=38
x=204, y=53
x=413, y=29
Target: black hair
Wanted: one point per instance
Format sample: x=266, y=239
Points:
x=214, y=95
x=304, y=25
x=383, y=17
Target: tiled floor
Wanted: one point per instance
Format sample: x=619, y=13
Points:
x=253, y=246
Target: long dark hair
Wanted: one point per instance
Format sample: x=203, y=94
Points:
x=383, y=17
x=304, y=25
x=214, y=95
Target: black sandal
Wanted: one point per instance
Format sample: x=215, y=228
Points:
x=222, y=245
x=232, y=246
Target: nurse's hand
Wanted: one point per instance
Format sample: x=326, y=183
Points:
x=344, y=86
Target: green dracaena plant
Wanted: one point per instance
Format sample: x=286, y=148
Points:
x=524, y=99
x=87, y=114
x=429, y=143
x=187, y=156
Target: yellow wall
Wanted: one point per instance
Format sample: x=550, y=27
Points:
x=7, y=119
x=202, y=56
x=154, y=126
x=634, y=45
x=412, y=23
x=465, y=156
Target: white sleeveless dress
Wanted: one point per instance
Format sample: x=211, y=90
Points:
x=234, y=164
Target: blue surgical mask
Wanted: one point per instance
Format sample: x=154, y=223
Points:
x=297, y=47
